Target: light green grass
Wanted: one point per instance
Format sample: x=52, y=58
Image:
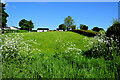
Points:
x=54, y=61
x=47, y=41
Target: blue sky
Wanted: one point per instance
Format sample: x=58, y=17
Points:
x=52, y=14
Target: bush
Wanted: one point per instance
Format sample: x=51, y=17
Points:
x=97, y=29
x=83, y=27
x=14, y=31
x=86, y=32
x=114, y=31
x=33, y=31
x=105, y=47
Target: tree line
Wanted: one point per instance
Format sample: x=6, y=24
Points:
x=28, y=25
x=69, y=25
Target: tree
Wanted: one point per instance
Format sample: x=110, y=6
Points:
x=97, y=29
x=73, y=27
x=26, y=25
x=62, y=26
x=68, y=22
x=84, y=27
x=30, y=25
x=114, y=30
x=101, y=29
x=4, y=15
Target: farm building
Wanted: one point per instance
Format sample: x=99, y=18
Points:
x=59, y=29
x=42, y=29
x=14, y=28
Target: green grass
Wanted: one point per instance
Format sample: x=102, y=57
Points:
x=56, y=58
x=47, y=41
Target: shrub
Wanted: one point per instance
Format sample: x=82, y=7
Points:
x=104, y=47
x=14, y=31
x=107, y=48
x=114, y=31
x=33, y=31
x=86, y=32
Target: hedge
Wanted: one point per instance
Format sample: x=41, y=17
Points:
x=33, y=31
x=86, y=32
x=14, y=31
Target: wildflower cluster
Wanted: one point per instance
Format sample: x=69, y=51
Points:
x=71, y=50
x=104, y=46
x=13, y=46
x=32, y=41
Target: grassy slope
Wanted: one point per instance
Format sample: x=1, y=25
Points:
x=49, y=40
x=58, y=67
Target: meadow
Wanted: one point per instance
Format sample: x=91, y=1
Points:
x=52, y=55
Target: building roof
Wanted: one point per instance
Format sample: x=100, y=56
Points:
x=15, y=27
x=42, y=28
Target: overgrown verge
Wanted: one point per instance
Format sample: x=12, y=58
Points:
x=107, y=48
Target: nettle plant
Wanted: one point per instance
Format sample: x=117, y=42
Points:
x=13, y=47
x=103, y=46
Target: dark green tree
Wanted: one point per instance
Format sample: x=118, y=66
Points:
x=83, y=27
x=73, y=27
x=62, y=26
x=97, y=29
x=68, y=22
x=101, y=29
x=26, y=25
x=4, y=15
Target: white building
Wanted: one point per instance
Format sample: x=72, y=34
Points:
x=14, y=28
x=60, y=30
x=42, y=29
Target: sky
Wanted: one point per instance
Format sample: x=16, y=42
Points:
x=60, y=0
x=52, y=14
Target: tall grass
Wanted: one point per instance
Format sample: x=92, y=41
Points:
x=52, y=55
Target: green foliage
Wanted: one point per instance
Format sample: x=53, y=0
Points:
x=86, y=32
x=73, y=27
x=26, y=25
x=113, y=30
x=68, y=22
x=83, y=27
x=97, y=29
x=14, y=31
x=59, y=55
x=104, y=46
x=33, y=31
x=4, y=15
x=107, y=48
x=62, y=27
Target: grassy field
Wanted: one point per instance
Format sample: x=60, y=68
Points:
x=52, y=55
x=50, y=42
